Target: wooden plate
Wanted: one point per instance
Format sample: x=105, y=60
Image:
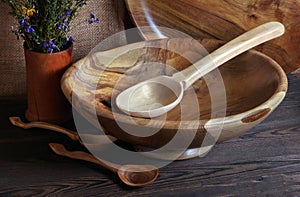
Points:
x=224, y=20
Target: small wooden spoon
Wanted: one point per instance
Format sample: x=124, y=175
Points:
x=92, y=141
x=132, y=175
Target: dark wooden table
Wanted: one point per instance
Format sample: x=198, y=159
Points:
x=263, y=162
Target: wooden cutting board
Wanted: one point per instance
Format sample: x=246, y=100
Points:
x=224, y=20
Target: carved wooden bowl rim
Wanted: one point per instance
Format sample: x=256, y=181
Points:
x=276, y=97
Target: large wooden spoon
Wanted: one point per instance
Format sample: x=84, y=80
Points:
x=157, y=96
x=91, y=141
x=132, y=175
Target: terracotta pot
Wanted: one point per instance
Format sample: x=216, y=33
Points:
x=46, y=101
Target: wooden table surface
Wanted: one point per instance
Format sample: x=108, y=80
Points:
x=263, y=162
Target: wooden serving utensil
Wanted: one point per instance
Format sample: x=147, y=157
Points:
x=156, y=96
x=92, y=141
x=131, y=175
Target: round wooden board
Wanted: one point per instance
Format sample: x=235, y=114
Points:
x=224, y=20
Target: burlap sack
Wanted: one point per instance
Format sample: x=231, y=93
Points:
x=12, y=64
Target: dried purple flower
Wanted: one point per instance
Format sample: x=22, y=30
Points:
x=50, y=46
x=93, y=19
x=71, y=39
x=30, y=30
x=68, y=13
x=59, y=26
x=66, y=20
x=92, y=15
x=22, y=22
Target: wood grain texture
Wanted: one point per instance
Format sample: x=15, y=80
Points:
x=263, y=162
x=225, y=20
x=252, y=82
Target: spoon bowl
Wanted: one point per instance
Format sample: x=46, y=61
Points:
x=137, y=175
x=151, y=98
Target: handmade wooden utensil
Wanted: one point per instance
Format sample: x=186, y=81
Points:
x=93, y=141
x=131, y=175
x=157, y=96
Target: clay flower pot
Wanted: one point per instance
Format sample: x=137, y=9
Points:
x=46, y=101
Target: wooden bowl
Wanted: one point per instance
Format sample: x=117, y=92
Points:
x=254, y=83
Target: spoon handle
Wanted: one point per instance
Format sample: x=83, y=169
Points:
x=242, y=43
x=80, y=155
x=44, y=125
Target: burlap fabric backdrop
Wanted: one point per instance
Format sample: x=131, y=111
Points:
x=12, y=63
